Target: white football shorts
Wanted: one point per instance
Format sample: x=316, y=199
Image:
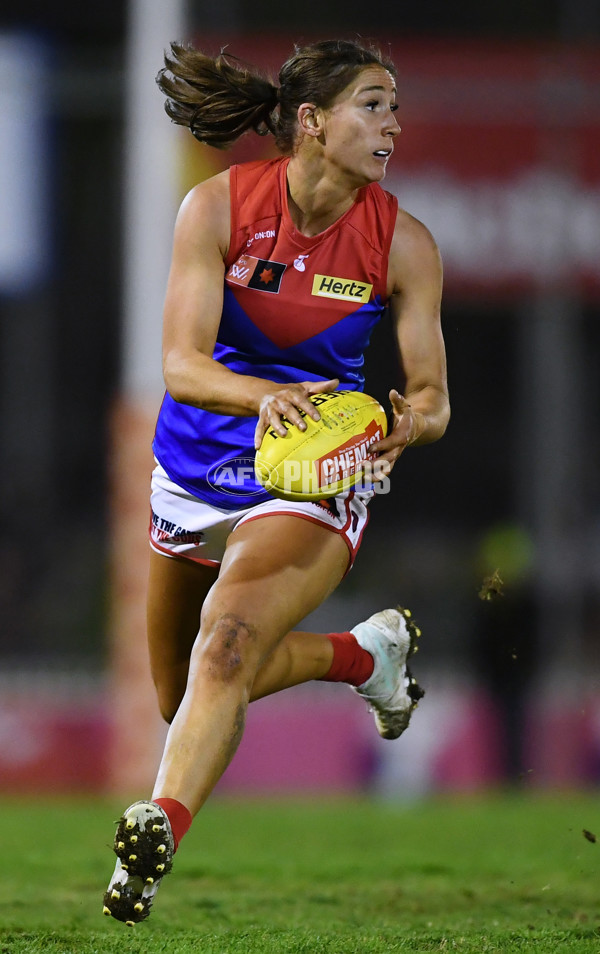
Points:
x=182, y=525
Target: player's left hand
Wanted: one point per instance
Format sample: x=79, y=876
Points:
x=406, y=427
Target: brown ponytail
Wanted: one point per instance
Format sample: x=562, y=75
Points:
x=218, y=99
x=215, y=99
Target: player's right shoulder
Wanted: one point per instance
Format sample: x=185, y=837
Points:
x=210, y=197
x=204, y=212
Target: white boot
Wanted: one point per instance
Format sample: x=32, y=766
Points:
x=391, y=691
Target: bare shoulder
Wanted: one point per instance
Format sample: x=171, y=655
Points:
x=414, y=254
x=204, y=213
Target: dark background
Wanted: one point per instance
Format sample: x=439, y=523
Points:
x=60, y=361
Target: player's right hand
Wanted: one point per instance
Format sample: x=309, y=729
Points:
x=288, y=401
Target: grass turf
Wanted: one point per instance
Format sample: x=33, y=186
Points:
x=498, y=873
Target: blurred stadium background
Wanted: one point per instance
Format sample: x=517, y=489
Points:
x=500, y=156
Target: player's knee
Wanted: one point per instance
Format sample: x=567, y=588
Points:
x=228, y=650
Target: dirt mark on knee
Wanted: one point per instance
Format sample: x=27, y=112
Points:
x=227, y=646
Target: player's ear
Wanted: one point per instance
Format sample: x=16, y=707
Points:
x=310, y=119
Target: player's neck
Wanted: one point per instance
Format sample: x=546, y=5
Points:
x=315, y=199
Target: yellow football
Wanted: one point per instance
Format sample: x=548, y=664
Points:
x=327, y=458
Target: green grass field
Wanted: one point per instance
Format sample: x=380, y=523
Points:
x=486, y=874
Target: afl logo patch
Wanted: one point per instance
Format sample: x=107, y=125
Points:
x=327, y=286
x=257, y=273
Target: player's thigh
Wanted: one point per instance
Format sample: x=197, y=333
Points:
x=275, y=571
x=177, y=589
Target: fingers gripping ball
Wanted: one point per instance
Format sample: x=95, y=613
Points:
x=327, y=458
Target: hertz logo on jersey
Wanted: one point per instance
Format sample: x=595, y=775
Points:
x=327, y=286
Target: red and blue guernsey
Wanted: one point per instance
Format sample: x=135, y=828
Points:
x=295, y=309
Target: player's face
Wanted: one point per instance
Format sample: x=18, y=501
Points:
x=360, y=126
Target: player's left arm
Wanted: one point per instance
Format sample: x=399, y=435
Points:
x=422, y=412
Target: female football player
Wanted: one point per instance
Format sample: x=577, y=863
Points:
x=280, y=270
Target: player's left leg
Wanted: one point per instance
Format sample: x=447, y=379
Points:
x=176, y=592
x=372, y=657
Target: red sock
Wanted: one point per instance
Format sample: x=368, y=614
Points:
x=179, y=817
x=351, y=663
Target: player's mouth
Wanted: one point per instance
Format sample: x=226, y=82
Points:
x=383, y=154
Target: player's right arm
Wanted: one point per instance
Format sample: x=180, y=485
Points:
x=192, y=314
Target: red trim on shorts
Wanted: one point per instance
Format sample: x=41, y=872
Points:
x=348, y=513
x=359, y=541
x=181, y=556
x=353, y=549
x=367, y=518
x=342, y=531
x=306, y=516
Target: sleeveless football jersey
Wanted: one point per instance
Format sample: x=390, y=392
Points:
x=295, y=309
